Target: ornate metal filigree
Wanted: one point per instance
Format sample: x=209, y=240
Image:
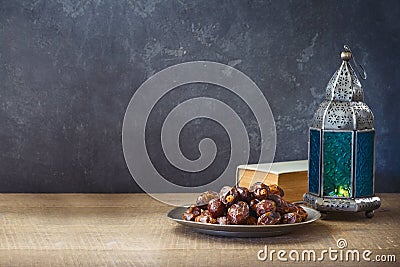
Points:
x=344, y=107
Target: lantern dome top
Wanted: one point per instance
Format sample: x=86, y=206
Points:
x=344, y=107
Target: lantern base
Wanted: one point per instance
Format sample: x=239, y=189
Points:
x=367, y=204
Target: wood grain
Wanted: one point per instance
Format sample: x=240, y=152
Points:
x=132, y=230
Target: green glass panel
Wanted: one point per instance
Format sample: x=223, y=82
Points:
x=365, y=164
x=337, y=164
x=313, y=161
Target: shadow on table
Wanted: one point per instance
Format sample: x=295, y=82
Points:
x=356, y=216
x=310, y=234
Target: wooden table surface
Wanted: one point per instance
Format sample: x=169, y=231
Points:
x=133, y=230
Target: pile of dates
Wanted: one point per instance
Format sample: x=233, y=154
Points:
x=259, y=205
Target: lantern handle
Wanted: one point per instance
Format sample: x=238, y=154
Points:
x=364, y=73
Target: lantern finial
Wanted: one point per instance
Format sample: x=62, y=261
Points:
x=345, y=55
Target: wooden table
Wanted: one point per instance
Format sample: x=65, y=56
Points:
x=132, y=230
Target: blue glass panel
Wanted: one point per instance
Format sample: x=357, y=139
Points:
x=365, y=164
x=337, y=164
x=313, y=161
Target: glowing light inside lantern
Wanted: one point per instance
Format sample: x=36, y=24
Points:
x=341, y=191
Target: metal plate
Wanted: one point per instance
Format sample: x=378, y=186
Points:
x=242, y=230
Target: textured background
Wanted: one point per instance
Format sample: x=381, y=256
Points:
x=69, y=68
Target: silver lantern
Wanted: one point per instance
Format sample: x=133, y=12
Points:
x=341, y=175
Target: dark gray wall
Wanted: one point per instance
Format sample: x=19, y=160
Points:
x=69, y=68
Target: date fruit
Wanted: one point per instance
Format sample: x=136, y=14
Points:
x=238, y=213
x=191, y=213
x=259, y=205
x=260, y=190
x=265, y=206
x=216, y=208
x=269, y=218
